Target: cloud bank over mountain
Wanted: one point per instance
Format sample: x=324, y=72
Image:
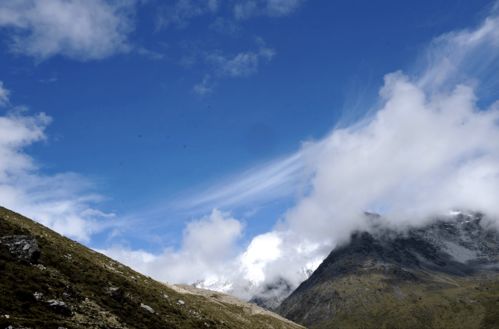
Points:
x=431, y=146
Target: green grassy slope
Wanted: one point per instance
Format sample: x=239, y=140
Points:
x=98, y=292
x=376, y=299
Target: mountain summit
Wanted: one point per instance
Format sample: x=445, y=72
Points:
x=442, y=275
x=48, y=281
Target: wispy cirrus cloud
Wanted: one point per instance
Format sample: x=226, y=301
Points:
x=180, y=13
x=206, y=86
x=4, y=95
x=274, y=8
x=240, y=65
x=227, y=18
x=77, y=29
x=272, y=181
x=63, y=201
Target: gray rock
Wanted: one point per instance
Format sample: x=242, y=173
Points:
x=23, y=247
x=147, y=308
x=38, y=295
x=60, y=307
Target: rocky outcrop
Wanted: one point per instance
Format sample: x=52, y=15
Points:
x=60, y=307
x=23, y=247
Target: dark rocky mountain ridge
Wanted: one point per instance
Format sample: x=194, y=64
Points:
x=442, y=275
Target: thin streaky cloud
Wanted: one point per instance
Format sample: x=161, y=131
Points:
x=4, y=95
x=275, y=180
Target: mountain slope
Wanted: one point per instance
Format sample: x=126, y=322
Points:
x=273, y=294
x=444, y=275
x=48, y=281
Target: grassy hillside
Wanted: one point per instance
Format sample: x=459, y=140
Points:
x=378, y=299
x=68, y=285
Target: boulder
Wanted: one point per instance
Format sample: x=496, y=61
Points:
x=60, y=307
x=23, y=247
x=147, y=308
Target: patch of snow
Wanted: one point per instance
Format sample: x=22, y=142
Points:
x=215, y=283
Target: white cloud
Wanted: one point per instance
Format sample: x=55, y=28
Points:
x=225, y=26
x=208, y=246
x=242, y=64
x=445, y=64
x=275, y=180
x=275, y=8
x=418, y=156
x=78, y=29
x=263, y=249
x=4, y=95
x=209, y=256
x=180, y=13
x=205, y=87
x=429, y=148
x=61, y=201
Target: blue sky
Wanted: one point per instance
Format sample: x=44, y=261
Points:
x=170, y=99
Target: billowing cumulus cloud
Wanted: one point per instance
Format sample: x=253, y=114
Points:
x=208, y=246
x=210, y=257
x=419, y=156
x=78, y=29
